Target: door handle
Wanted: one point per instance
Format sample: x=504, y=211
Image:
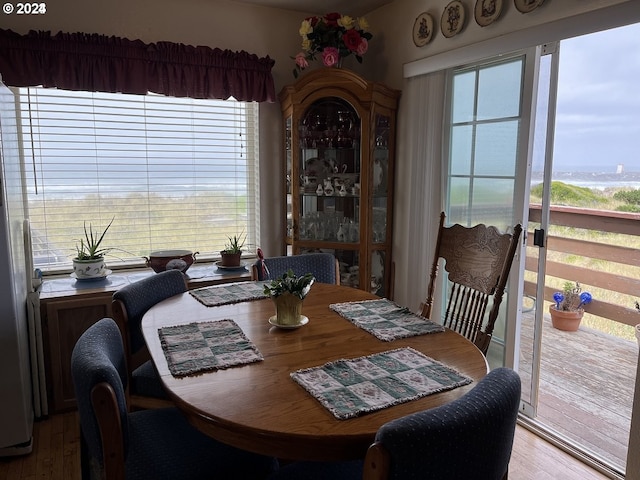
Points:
x=538, y=237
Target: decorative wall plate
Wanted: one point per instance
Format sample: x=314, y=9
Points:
x=452, y=19
x=487, y=11
x=423, y=29
x=526, y=6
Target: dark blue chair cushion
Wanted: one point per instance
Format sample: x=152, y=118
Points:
x=98, y=356
x=140, y=296
x=158, y=443
x=471, y=437
x=320, y=471
x=163, y=445
x=146, y=381
x=322, y=265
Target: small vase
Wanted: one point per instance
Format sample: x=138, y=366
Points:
x=569, y=321
x=288, y=309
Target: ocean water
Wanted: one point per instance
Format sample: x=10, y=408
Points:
x=597, y=181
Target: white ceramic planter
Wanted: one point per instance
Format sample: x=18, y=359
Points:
x=87, y=269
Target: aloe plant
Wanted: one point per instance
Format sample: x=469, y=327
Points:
x=235, y=244
x=89, y=247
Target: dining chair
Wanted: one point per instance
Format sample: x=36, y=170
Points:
x=324, y=267
x=470, y=437
x=129, y=305
x=478, y=260
x=146, y=444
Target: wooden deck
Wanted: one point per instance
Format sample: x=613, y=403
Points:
x=587, y=383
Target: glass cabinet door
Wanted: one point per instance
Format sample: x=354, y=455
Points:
x=340, y=140
x=288, y=139
x=380, y=189
x=330, y=165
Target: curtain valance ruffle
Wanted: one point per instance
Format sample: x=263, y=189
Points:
x=92, y=62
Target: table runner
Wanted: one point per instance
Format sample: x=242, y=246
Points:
x=385, y=319
x=349, y=388
x=229, y=293
x=205, y=346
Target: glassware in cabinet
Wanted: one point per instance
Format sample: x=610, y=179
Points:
x=342, y=161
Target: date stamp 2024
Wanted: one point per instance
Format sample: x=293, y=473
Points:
x=33, y=8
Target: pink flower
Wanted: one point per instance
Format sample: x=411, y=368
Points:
x=363, y=46
x=301, y=60
x=330, y=56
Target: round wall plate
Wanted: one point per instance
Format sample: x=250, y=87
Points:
x=487, y=11
x=526, y=6
x=423, y=29
x=452, y=19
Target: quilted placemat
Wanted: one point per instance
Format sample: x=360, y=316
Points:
x=229, y=293
x=385, y=319
x=206, y=346
x=349, y=388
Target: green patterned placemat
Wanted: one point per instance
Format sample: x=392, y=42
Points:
x=349, y=388
x=206, y=346
x=229, y=293
x=385, y=319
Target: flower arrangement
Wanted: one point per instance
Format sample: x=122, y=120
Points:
x=334, y=37
x=289, y=282
x=572, y=298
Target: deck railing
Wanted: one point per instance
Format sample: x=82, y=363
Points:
x=593, y=254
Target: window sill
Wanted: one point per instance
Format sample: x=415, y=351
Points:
x=198, y=275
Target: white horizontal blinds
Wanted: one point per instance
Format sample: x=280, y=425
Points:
x=175, y=173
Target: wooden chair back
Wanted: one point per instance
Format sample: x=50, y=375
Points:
x=477, y=260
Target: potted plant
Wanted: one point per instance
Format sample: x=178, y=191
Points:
x=288, y=293
x=89, y=260
x=567, y=312
x=230, y=256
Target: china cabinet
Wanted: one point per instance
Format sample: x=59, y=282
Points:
x=339, y=156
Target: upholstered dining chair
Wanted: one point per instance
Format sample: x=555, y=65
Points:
x=129, y=305
x=324, y=267
x=468, y=438
x=147, y=444
x=478, y=260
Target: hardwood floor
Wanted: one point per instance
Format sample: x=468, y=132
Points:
x=56, y=456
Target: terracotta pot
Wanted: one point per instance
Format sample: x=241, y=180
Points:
x=171, y=259
x=569, y=321
x=230, y=259
x=288, y=309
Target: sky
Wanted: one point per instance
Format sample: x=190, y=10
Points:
x=598, y=112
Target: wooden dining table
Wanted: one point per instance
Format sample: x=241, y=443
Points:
x=260, y=408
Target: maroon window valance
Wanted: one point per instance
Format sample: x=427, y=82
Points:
x=98, y=63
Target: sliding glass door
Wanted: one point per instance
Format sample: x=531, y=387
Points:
x=548, y=137
x=487, y=147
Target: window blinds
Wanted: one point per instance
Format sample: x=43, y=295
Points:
x=173, y=173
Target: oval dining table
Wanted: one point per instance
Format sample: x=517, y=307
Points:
x=258, y=407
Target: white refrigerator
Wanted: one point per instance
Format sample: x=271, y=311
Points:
x=16, y=405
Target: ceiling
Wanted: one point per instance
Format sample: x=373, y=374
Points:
x=353, y=8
